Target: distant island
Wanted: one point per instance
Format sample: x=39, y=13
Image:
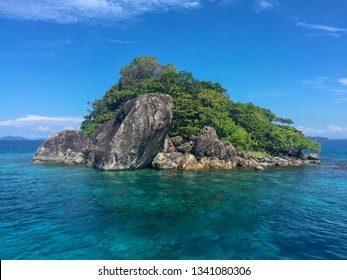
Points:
x=13, y=138
x=18, y=138
x=318, y=138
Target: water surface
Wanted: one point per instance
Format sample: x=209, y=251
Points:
x=61, y=212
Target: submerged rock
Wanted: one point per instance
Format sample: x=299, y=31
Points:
x=66, y=147
x=134, y=137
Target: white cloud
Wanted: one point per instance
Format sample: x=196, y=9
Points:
x=35, y=126
x=316, y=82
x=69, y=127
x=330, y=130
x=336, y=128
x=332, y=86
x=91, y=11
x=310, y=129
x=120, y=41
x=343, y=81
x=325, y=34
x=32, y=120
x=43, y=128
x=262, y=5
x=225, y=3
x=331, y=31
x=48, y=43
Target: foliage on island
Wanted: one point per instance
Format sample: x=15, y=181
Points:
x=198, y=103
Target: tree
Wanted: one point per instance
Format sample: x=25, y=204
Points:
x=139, y=70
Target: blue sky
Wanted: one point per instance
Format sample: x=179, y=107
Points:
x=288, y=56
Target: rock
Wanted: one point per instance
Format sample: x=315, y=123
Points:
x=189, y=162
x=176, y=140
x=259, y=168
x=167, y=161
x=193, y=137
x=313, y=157
x=134, y=137
x=301, y=154
x=66, y=147
x=215, y=163
x=247, y=162
x=208, y=145
x=185, y=147
x=168, y=146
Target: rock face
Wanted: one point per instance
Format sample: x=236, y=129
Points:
x=66, y=147
x=208, y=145
x=134, y=137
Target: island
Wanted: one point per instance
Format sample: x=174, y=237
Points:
x=156, y=116
x=13, y=138
x=318, y=138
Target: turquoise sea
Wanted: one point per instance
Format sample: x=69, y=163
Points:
x=60, y=212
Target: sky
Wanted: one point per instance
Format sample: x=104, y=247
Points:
x=289, y=56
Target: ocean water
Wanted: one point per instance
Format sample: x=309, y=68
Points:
x=60, y=212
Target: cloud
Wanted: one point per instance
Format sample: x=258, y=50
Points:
x=335, y=87
x=330, y=129
x=310, y=130
x=35, y=120
x=327, y=30
x=43, y=128
x=336, y=128
x=48, y=43
x=263, y=5
x=35, y=126
x=90, y=11
x=120, y=41
x=343, y=81
x=225, y=3
x=316, y=82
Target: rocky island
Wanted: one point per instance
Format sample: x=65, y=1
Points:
x=157, y=117
x=137, y=138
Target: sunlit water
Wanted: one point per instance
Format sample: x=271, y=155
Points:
x=60, y=212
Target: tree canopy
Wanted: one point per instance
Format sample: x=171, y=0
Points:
x=199, y=103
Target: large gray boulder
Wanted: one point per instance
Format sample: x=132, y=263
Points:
x=66, y=147
x=207, y=145
x=135, y=136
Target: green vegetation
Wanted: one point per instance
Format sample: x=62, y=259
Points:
x=199, y=103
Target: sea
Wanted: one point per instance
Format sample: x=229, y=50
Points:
x=79, y=213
